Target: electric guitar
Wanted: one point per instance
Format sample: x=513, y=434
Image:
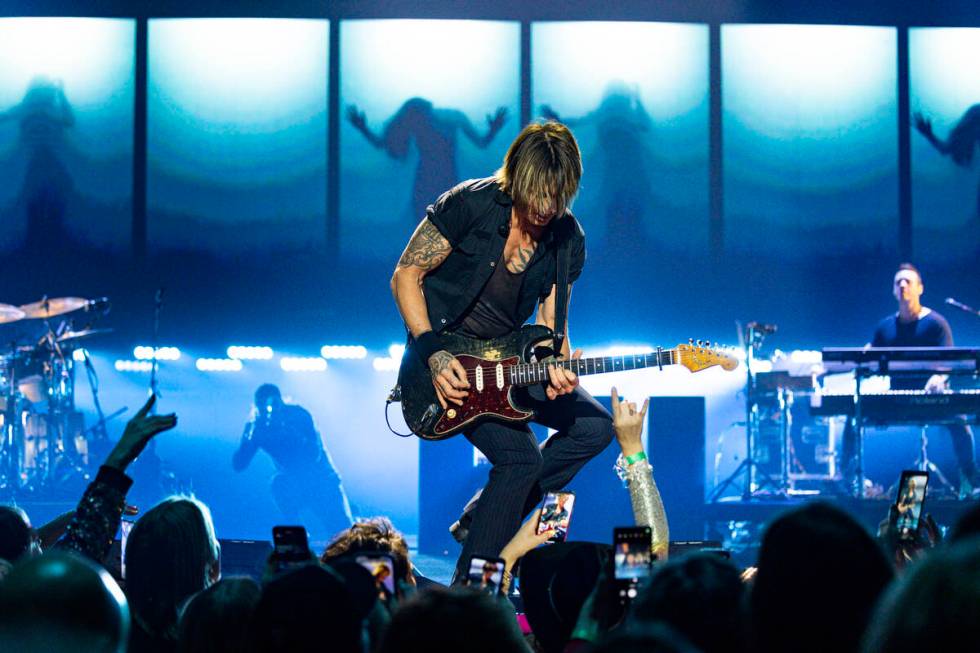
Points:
x=493, y=367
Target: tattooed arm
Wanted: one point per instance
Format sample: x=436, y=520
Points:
x=426, y=251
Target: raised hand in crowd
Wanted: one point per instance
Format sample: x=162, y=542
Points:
x=905, y=551
x=139, y=431
x=96, y=518
x=628, y=423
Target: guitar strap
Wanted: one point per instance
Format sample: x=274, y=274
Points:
x=561, y=292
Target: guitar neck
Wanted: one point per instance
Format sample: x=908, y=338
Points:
x=524, y=374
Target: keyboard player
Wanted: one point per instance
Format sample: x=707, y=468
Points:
x=915, y=325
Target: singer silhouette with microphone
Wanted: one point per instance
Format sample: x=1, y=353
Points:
x=915, y=325
x=306, y=478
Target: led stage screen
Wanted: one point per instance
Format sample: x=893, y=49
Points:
x=236, y=135
x=810, y=140
x=419, y=97
x=636, y=97
x=66, y=133
x=945, y=92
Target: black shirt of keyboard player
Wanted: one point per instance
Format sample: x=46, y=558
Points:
x=930, y=330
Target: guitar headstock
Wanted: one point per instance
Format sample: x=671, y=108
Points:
x=697, y=356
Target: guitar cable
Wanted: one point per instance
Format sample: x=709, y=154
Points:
x=393, y=396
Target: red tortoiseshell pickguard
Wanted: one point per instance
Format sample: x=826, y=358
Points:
x=490, y=402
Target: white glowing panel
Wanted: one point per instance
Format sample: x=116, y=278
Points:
x=819, y=80
x=635, y=95
x=666, y=64
x=236, y=135
x=66, y=132
x=424, y=90
x=945, y=89
x=84, y=53
x=810, y=124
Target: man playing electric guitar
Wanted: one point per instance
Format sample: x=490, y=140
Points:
x=478, y=264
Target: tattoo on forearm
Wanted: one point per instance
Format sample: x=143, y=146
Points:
x=439, y=361
x=523, y=258
x=427, y=248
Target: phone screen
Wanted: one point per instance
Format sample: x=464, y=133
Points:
x=556, y=513
x=292, y=548
x=382, y=570
x=485, y=574
x=908, y=502
x=632, y=559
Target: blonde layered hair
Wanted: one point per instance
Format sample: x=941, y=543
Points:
x=542, y=169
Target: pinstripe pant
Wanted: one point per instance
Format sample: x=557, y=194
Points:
x=522, y=472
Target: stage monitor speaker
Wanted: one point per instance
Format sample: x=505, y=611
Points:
x=675, y=432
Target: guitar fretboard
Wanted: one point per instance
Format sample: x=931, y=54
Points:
x=531, y=373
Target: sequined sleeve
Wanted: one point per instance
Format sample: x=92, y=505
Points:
x=92, y=529
x=648, y=508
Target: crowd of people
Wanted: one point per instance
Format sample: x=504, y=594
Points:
x=821, y=583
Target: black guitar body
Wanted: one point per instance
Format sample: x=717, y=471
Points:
x=487, y=360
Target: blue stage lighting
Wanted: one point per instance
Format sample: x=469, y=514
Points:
x=302, y=364
x=343, y=351
x=386, y=364
x=396, y=351
x=245, y=353
x=218, y=365
x=144, y=352
x=133, y=366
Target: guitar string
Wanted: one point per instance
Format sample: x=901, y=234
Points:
x=534, y=368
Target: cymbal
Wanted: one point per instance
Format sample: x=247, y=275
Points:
x=84, y=333
x=10, y=313
x=50, y=307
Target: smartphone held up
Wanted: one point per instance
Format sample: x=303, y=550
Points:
x=556, y=514
x=632, y=559
x=907, y=509
x=291, y=548
x=485, y=574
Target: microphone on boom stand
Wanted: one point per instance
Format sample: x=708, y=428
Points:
x=963, y=307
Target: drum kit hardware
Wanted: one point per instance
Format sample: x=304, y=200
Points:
x=44, y=444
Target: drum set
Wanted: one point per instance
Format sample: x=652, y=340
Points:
x=45, y=446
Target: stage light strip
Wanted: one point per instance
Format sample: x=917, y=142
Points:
x=302, y=364
x=386, y=364
x=133, y=366
x=218, y=365
x=145, y=353
x=343, y=352
x=248, y=353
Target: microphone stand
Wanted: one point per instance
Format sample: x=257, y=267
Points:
x=157, y=306
x=963, y=307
